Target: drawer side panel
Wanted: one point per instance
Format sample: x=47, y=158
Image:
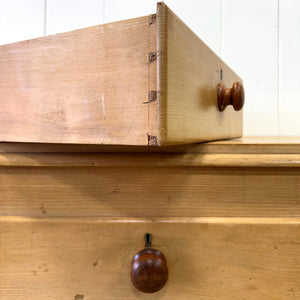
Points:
x=141, y=192
x=84, y=86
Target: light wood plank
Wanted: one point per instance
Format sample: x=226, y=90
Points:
x=151, y=191
x=147, y=160
x=246, y=145
x=161, y=220
x=85, y=86
x=225, y=259
x=152, y=82
x=189, y=73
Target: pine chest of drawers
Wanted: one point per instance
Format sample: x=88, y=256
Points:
x=225, y=215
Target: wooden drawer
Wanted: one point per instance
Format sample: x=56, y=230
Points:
x=44, y=191
x=145, y=81
x=224, y=214
x=208, y=258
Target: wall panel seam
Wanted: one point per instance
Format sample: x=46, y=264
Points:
x=45, y=17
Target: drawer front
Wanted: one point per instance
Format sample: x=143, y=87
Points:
x=146, y=191
x=207, y=258
x=189, y=73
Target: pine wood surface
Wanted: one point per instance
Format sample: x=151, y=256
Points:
x=152, y=191
x=245, y=145
x=227, y=258
x=189, y=71
x=70, y=223
x=133, y=82
x=84, y=86
x=146, y=160
x=246, y=152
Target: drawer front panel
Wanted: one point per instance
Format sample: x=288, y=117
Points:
x=212, y=258
x=151, y=191
x=189, y=72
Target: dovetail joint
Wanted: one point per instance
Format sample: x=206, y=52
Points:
x=152, y=56
x=152, y=140
x=152, y=19
x=152, y=96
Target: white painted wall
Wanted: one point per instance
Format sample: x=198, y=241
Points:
x=259, y=39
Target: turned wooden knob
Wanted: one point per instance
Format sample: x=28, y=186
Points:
x=149, y=271
x=234, y=96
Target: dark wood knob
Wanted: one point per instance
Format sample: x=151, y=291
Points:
x=234, y=96
x=149, y=271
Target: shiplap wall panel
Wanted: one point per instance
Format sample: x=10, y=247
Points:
x=116, y=10
x=249, y=46
x=289, y=51
x=21, y=20
x=203, y=17
x=66, y=15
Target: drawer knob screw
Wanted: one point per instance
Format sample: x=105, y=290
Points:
x=149, y=271
x=234, y=96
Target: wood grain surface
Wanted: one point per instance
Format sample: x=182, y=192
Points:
x=84, y=86
x=227, y=258
x=70, y=223
x=245, y=145
x=189, y=74
x=144, y=81
x=151, y=191
x=147, y=160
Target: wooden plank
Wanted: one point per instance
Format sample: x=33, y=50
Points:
x=151, y=191
x=62, y=259
x=246, y=145
x=97, y=85
x=244, y=27
x=148, y=160
x=85, y=86
x=188, y=76
x=152, y=83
